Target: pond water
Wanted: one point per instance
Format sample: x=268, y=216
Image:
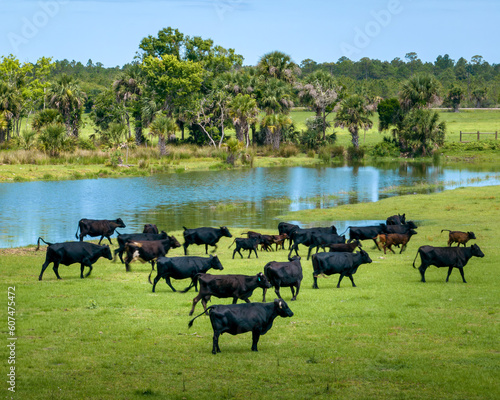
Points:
x=250, y=198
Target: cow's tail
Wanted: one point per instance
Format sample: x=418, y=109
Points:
x=418, y=252
x=77, y=229
x=149, y=277
x=190, y=324
x=38, y=243
x=194, y=281
x=232, y=244
x=345, y=230
x=442, y=230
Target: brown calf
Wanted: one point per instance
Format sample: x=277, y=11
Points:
x=459, y=237
x=393, y=239
x=342, y=247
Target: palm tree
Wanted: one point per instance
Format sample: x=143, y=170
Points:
x=421, y=130
x=46, y=117
x=10, y=106
x=420, y=91
x=274, y=125
x=319, y=91
x=278, y=65
x=127, y=90
x=162, y=126
x=274, y=96
x=243, y=111
x=66, y=96
x=354, y=114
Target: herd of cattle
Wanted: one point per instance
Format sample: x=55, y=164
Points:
x=152, y=246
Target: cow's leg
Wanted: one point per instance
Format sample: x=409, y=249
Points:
x=185, y=245
x=255, y=251
x=255, y=340
x=56, y=269
x=449, y=273
x=422, y=269
x=110, y=242
x=204, y=301
x=44, y=267
x=155, y=281
x=374, y=241
x=403, y=247
x=340, y=279
x=215, y=347
x=195, y=301
x=297, y=291
x=352, y=280
x=293, y=293
x=235, y=300
x=462, y=273
x=82, y=267
x=206, y=248
x=277, y=290
x=309, y=252
x=264, y=291
x=167, y=279
x=315, y=284
x=390, y=248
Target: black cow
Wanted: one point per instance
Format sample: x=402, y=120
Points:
x=305, y=237
x=150, y=228
x=319, y=239
x=366, y=232
x=148, y=251
x=284, y=274
x=345, y=264
x=224, y=286
x=285, y=227
x=234, y=319
x=68, y=253
x=396, y=219
x=124, y=238
x=249, y=244
x=451, y=257
x=98, y=227
x=403, y=228
x=183, y=268
x=206, y=236
x=342, y=247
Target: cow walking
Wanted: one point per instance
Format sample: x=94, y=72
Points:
x=98, y=227
x=206, y=236
x=224, y=286
x=234, y=319
x=345, y=264
x=284, y=274
x=68, y=253
x=451, y=257
x=459, y=237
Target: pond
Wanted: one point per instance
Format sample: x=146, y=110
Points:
x=250, y=198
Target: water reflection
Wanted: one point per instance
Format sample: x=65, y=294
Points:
x=243, y=198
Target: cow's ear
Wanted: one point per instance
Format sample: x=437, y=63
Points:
x=280, y=304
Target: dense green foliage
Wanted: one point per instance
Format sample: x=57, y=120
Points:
x=208, y=92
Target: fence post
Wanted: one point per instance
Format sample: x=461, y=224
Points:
x=496, y=135
x=460, y=136
x=478, y=136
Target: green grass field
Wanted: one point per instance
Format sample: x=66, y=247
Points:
x=392, y=337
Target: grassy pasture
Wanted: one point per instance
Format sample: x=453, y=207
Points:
x=109, y=337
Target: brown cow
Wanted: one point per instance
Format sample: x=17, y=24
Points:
x=392, y=239
x=459, y=237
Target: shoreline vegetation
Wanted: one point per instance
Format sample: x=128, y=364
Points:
x=35, y=165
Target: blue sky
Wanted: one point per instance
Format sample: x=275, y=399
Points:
x=109, y=31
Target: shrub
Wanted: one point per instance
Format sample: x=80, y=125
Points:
x=288, y=151
x=386, y=148
x=355, y=153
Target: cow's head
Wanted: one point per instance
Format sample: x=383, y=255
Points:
x=262, y=281
x=294, y=258
x=412, y=232
x=365, y=258
x=120, y=223
x=476, y=251
x=471, y=235
x=334, y=229
x=225, y=231
x=411, y=225
x=106, y=252
x=174, y=243
x=215, y=263
x=282, y=308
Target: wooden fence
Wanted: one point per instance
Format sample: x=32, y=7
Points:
x=478, y=134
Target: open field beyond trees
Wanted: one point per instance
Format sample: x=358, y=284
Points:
x=393, y=337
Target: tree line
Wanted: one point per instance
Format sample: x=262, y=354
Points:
x=185, y=89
